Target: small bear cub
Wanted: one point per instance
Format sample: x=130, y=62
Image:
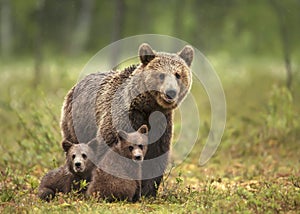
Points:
x=118, y=175
x=80, y=159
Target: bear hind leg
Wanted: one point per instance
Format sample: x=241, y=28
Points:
x=46, y=194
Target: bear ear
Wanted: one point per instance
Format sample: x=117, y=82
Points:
x=146, y=53
x=122, y=135
x=93, y=144
x=143, y=130
x=187, y=54
x=66, y=145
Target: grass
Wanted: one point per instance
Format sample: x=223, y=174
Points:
x=255, y=170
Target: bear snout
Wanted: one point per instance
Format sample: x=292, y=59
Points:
x=77, y=164
x=138, y=157
x=171, y=94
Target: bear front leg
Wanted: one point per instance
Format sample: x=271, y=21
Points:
x=157, y=160
x=150, y=186
x=152, y=172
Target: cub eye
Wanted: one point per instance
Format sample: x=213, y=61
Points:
x=177, y=75
x=130, y=148
x=141, y=147
x=73, y=157
x=84, y=156
x=162, y=76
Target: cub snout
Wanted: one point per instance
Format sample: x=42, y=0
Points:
x=78, y=166
x=138, y=155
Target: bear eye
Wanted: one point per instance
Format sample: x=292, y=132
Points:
x=130, y=148
x=141, y=147
x=177, y=75
x=73, y=157
x=84, y=156
x=162, y=76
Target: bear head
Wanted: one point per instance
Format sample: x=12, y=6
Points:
x=166, y=76
x=80, y=158
x=133, y=145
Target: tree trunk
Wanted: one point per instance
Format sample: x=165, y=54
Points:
x=196, y=33
x=118, y=24
x=83, y=26
x=178, y=19
x=283, y=32
x=6, y=29
x=38, y=57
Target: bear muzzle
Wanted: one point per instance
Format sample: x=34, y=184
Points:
x=137, y=155
x=169, y=96
x=78, y=167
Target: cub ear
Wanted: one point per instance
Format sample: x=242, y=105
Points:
x=143, y=130
x=122, y=135
x=93, y=144
x=66, y=145
x=187, y=54
x=146, y=53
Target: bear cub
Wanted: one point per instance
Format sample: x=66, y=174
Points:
x=118, y=175
x=80, y=159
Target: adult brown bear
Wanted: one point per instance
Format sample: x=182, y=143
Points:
x=148, y=93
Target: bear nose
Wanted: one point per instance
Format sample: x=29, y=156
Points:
x=77, y=164
x=138, y=157
x=171, y=94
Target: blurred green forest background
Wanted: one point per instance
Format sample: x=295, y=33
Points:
x=254, y=47
x=72, y=27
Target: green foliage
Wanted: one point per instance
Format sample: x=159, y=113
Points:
x=281, y=118
x=38, y=137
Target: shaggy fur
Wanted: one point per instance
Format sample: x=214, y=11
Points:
x=78, y=167
x=102, y=103
x=118, y=176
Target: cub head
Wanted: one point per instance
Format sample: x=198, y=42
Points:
x=80, y=157
x=133, y=145
x=167, y=76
